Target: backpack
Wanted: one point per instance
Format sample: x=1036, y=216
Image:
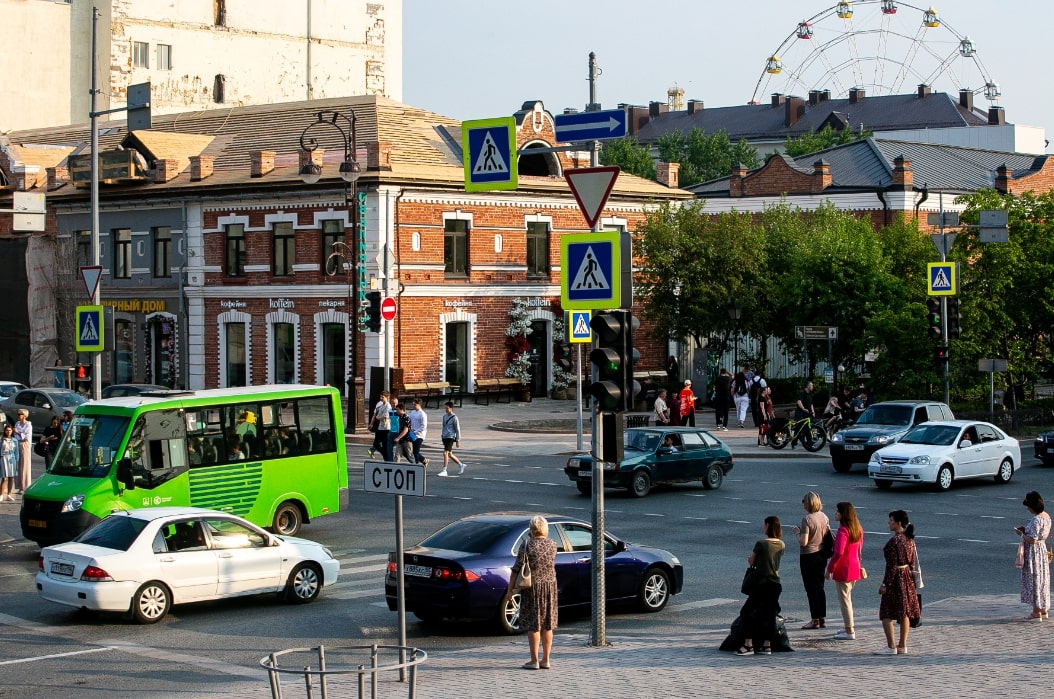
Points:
x=741, y=388
x=755, y=388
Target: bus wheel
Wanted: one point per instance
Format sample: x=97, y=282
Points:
x=287, y=519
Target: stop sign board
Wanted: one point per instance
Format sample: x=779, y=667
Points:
x=388, y=308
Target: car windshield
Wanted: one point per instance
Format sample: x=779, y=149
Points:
x=8, y=390
x=887, y=415
x=88, y=446
x=66, y=399
x=468, y=536
x=116, y=532
x=941, y=435
x=641, y=440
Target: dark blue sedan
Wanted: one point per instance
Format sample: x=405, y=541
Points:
x=462, y=571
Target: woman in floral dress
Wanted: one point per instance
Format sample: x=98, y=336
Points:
x=900, y=601
x=1035, y=569
x=538, y=603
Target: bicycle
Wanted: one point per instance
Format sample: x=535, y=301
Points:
x=809, y=430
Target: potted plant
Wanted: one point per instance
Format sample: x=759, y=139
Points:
x=519, y=347
x=562, y=380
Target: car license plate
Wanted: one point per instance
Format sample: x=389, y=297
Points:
x=854, y=447
x=585, y=473
x=38, y=523
x=889, y=469
x=418, y=571
x=62, y=568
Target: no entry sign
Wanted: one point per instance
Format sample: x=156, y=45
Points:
x=388, y=308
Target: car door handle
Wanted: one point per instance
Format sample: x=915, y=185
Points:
x=226, y=555
x=167, y=559
x=585, y=560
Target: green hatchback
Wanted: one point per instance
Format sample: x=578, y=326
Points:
x=654, y=455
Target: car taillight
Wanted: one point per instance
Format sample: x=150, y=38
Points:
x=391, y=568
x=95, y=574
x=448, y=575
x=40, y=562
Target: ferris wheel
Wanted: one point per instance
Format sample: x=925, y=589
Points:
x=881, y=46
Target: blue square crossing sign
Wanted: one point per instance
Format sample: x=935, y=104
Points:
x=89, y=329
x=488, y=149
x=594, y=270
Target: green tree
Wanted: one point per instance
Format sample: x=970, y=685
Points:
x=630, y=156
x=825, y=138
x=704, y=156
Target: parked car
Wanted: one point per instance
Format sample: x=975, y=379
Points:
x=940, y=452
x=42, y=404
x=10, y=388
x=119, y=390
x=1044, y=446
x=143, y=561
x=462, y=571
x=880, y=425
x=693, y=454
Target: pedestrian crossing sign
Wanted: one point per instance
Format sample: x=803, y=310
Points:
x=578, y=325
x=943, y=278
x=89, y=329
x=488, y=148
x=591, y=270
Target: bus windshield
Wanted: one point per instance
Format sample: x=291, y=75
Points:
x=89, y=446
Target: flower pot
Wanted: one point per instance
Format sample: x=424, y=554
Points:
x=559, y=394
x=525, y=394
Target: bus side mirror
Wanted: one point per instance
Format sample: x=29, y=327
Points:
x=124, y=473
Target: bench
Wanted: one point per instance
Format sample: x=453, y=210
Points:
x=412, y=392
x=637, y=419
x=504, y=386
x=437, y=390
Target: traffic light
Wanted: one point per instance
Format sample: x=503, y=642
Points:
x=953, y=317
x=933, y=317
x=82, y=373
x=563, y=360
x=373, y=311
x=941, y=354
x=613, y=356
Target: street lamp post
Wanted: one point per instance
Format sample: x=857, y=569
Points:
x=350, y=171
x=734, y=314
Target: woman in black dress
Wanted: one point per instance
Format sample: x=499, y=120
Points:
x=763, y=603
x=538, y=602
x=900, y=600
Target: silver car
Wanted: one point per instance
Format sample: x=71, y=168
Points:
x=42, y=404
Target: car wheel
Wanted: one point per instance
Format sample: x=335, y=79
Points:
x=287, y=519
x=883, y=484
x=305, y=582
x=151, y=602
x=818, y=439
x=714, y=477
x=584, y=488
x=944, y=477
x=641, y=484
x=654, y=590
x=841, y=465
x=509, y=614
x=1005, y=472
x=779, y=439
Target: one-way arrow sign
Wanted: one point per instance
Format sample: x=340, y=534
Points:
x=590, y=126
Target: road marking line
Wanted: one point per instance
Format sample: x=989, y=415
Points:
x=197, y=661
x=363, y=569
x=52, y=656
x=652, y=514
x=701, y=519
x=973, y=541
x=701, y=604
x=992, y=517
x=738, y=521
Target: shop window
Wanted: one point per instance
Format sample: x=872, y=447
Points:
x=334, y=355
x=162, y=251
x=83, y=242
x=284, y=252
x=140, y=54
x=234, y=339
x=122, y=253
x=455, y=248
x=284, y=353
x=332, y=232
x=124, y=370
x=537, y=249
x=235, y=249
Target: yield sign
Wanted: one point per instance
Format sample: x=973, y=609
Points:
x=591, y=187
x=91, y=275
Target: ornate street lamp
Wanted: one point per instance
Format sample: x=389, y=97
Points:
x=355, y=201
x=734, y=314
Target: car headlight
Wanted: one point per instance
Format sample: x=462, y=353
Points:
x=574, y=463
x=675, y=560
x=74, y=503
x=882, y=439
x=837, y=438
x=610, y=465
x=922, y=459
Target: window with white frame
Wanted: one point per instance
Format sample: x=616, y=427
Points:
x=164, y=57
x=455, y=247
x=140, y=54
x=537, y=249
x=162, y=252
x=237, y=374
x=284, y=249
x=122, y=253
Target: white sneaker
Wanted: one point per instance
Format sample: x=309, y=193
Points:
x=461, y=472
x=886, y=651
x=845, y=636
x=443, y=473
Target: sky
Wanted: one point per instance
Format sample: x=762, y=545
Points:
x=477, y=59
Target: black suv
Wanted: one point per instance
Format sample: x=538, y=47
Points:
x=881, y=424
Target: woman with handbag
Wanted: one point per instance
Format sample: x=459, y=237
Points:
x=899, y=599
x=845, y=566
x=815, y=527
x=765, y=413
x=763, y=589
x=1035, y=564
x=538, y=602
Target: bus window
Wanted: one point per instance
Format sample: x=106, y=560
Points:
x=315, y=420
x=89, y=445
x=157, y=448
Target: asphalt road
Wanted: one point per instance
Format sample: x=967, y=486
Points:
x=965, y=540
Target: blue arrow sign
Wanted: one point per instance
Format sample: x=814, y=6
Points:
x=590, y=126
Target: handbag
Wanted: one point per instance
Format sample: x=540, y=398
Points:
x=750, y=581
x=41, y=448
x=827, y=545
x=916, y=572
x=1019, y=560
x=523, y=575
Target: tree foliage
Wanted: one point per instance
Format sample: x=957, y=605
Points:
x=704, y=156
x=630, y=156
x=819, y=140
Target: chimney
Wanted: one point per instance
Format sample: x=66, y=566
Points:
x=165, y=169
x=262, y=162
x=793, y=109
x=815, y=97
x=924, y=90
x=966, y=99
x=856, y=94
x=201, y=167
x=903, y=176
x=379, y=155
x=636, y=117
x=735, y=182
x=308, y=156
x=821, y=171
x=1002, y=179
x=826, y=95
x=57, y=177
x=666, y=173
x=777, y=99
x=657, y=108
x=695, y=106
x=996, y=116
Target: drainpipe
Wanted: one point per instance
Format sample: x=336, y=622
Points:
x=398, y=275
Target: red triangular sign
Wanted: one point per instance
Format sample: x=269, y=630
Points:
x=591, y=187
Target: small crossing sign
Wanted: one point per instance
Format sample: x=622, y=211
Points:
x=89, y=329
x=579, y=325
x=943, y=278
x=592, y=271
x=489, y=154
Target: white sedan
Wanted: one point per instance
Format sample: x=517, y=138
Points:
x=143, y=561
x=942, y=451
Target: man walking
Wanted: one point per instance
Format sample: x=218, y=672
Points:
x=381, y=424
x=802, y=409
x=451, y=435
x=404, y=437
x=419, y=425
x=662, y=410
x=722, y=396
